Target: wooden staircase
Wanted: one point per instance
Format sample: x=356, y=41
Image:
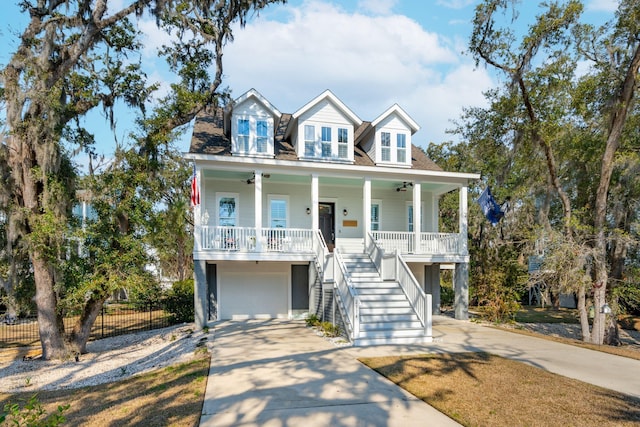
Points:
x=386, y=315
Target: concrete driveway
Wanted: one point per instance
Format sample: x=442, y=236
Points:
x=279, y=373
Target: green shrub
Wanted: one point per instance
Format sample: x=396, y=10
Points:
x=312, y=320
x=330, y=329
x=32, y=414
x=447, y=295
x=179, y=302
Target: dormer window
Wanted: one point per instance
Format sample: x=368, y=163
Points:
x=326, y=142
x=324, y=130
x=252, y=119
x=390, y=143
x=253, y=135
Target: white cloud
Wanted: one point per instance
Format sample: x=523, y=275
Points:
x=603, y=5
x=369, y=62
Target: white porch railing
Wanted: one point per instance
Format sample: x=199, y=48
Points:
x=346, y=297
x=419, y=300
x=244, y=239
x=430, y=243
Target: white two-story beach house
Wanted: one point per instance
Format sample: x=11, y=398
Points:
x=323, y=213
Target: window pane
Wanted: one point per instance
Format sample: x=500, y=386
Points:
x=278, y=213
x=326, y=133
x=343, y=135
x=385, y=140
x=343, y=151
x=410, y=217
x=375, y=217
x=402, y=140
x=261, y=139
x=326, y=141
x=402, y=148
x=309, y=140
x=343, y=143
x=243, y=135
x=227, y=212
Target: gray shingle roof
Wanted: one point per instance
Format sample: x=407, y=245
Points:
x=209, y=138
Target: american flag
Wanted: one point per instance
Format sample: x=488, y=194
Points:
x=195, y=189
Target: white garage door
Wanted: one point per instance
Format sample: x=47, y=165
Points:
x=251, y=296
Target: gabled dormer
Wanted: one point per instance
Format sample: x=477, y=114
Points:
x=323, y=130
x=388, y=142
x=253, y=119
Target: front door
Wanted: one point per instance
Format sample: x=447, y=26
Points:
x=326, y=221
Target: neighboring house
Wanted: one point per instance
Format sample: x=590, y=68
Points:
x=320, y=212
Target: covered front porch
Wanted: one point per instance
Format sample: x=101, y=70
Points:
x=248, y=213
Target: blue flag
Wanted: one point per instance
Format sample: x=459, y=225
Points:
x=490, y=208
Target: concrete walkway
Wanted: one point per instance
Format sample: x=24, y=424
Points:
x=278, y=373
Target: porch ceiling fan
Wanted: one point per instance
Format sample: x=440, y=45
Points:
x=252, y=180
x=404, y=186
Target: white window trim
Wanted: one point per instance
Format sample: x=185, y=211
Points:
x=284, y=197
x=235, y=196
x=317, y=154
x=393, y=147
x=253, y=136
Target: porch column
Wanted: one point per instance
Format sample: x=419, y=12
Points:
x=461, y=272
x=258, y=208
x=461, y=286
x=200, y=292
x=315, y=200
x=417, y=215
x=197, y=212
x=463, y=227
x=366, y=210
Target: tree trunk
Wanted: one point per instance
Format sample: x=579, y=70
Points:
x=82, y=328
x=584, y=316
x=599, y=292
x=50, y=322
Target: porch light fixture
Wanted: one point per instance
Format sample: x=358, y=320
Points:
x=308, y=211
x=404, y=186
x=345, y=212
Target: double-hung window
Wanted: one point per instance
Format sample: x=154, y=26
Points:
x=262, y=131
x=309, y=141
x=278, y=211
x=375, y=216
x=385, y=144
x=343, y=143
x=401, y=147
x=243, y=135
x=326, y=141
x=227, y=211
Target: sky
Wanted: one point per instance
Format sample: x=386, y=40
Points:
x=370, y=53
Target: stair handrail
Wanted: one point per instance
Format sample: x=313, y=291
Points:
x=420, y=301
x=375, y=252
x=346, y=296
x=321, y=251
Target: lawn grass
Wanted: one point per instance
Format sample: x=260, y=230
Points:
x=479, y=389
x=547, y=315
x=170, y=396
